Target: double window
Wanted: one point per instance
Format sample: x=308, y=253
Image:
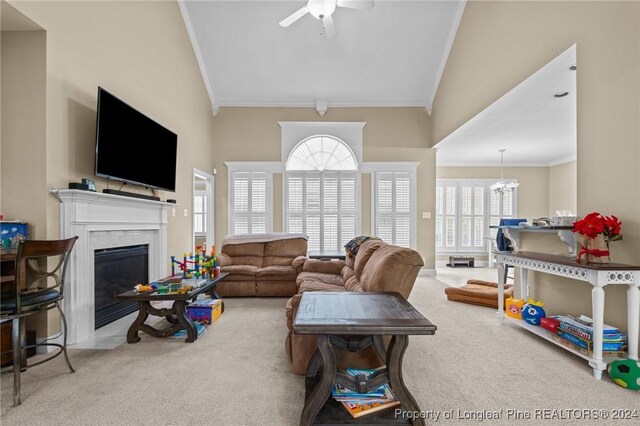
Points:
x=250, y=203
x=464, y=211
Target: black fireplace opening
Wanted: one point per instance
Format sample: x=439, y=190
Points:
x=118, y=270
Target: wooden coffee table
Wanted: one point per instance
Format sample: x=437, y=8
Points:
x=354, y=321
x=176, y=315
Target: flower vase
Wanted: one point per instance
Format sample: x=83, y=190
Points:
x=598, y=250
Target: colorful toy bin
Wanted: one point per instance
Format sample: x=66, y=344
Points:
x=205, y=311
x=12, y=233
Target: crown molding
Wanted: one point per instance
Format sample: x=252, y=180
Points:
x=445, y=55
x=312, y=104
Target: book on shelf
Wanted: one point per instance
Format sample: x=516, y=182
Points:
x=362, y=409
x=584, y=351
x=361, y=404
x=583, y=325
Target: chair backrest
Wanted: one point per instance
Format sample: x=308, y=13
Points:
x=35, y=255
x=502, y=242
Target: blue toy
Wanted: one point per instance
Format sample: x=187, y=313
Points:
x=532, y=312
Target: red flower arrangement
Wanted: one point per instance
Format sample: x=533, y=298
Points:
x=595, y=224
x=597, y=231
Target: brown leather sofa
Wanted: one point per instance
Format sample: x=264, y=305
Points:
x=261, y=265
x=378, y=267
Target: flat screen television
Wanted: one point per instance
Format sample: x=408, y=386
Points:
x=131, y=147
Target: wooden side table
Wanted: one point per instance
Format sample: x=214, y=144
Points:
x=354, y=321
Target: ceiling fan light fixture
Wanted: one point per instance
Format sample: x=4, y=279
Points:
x=320, y=9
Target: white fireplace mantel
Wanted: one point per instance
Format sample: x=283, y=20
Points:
x=105, y=221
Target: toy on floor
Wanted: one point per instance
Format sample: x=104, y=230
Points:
x=626, y=373
x=513, y=307
x=532, y=312
x=201, y=264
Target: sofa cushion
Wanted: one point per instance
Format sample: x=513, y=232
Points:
x=353, y=284
x=391, y=268
x=245, y=254
x=319, y=286
x=240, y=272
x=323, y=266
x=364, y=254
x=274, y=272
x=282, y=252
x=332, y=279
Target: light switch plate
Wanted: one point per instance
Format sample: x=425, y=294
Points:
x=426, y=215
x=186, y=213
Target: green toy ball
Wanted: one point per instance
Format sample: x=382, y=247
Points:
x=626, y=373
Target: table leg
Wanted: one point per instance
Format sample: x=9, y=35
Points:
x=597, y=302
x=171, y=319
x=180, y=308
x=395, y=353
x=633, y=315
x=322, y=391
x=524, y=283
x=143, y=314
x=500, y=313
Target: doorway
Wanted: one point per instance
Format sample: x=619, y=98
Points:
x=203, y=209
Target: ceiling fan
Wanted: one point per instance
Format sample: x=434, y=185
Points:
x=322, y=10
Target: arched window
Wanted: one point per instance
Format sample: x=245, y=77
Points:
x=322, y=193
x=322, y=153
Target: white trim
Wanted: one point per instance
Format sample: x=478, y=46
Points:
x=210, y=193
x=563, y=160
x=391, y=166
x=255, y=166
x=196, y=50
x=427, y=272
x=312, y=104
x=445, y=55
x=360, y=124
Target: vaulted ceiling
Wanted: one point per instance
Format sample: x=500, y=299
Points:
x=391, y=55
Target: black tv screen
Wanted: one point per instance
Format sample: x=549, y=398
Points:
x=131, y=147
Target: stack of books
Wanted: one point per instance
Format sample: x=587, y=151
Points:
x=361, y=404
x=578, y=334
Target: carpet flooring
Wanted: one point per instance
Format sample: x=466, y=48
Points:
x=237, y=374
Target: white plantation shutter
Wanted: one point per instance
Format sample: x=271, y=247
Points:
x=464, y=211
x=250, y=211
x=394, y=214
x=324, y=206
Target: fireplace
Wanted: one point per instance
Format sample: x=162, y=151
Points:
x=118, y=270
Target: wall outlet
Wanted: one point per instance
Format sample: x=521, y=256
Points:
x=186, y=213
x=426, y=215
x=173, y=212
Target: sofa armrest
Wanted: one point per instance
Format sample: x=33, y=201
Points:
x=292, y=309
x=223, y=260
x=323, y=266
x=298, y=263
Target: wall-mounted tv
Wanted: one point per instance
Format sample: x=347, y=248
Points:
x=131, y=147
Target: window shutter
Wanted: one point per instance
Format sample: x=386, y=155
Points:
x=393, y=207
x=250, y=212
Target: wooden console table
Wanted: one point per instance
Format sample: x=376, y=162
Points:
x=596, y=274
x=354, y=321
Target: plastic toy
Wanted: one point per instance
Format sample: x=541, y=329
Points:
x=198, y=265
x=514, y=307
x=533, y=313
x=626, y=373
x=143, y=288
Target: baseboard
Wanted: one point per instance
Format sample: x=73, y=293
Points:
x=425, y=272
x=478, y=263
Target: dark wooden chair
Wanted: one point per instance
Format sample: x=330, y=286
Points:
x=43, y=291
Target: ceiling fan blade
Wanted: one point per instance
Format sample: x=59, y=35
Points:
x=293, y=17
x=356, y=4
x=329, y=27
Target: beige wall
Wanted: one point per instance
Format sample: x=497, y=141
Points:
x=23, y=194
x=563, y=187
x=140, y=51
x=391, y=134
x=501, y=43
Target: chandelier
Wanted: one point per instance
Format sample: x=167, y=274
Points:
x=501, y=186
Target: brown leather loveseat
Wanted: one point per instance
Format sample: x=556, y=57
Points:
x=261, y=265
x=377, y=267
